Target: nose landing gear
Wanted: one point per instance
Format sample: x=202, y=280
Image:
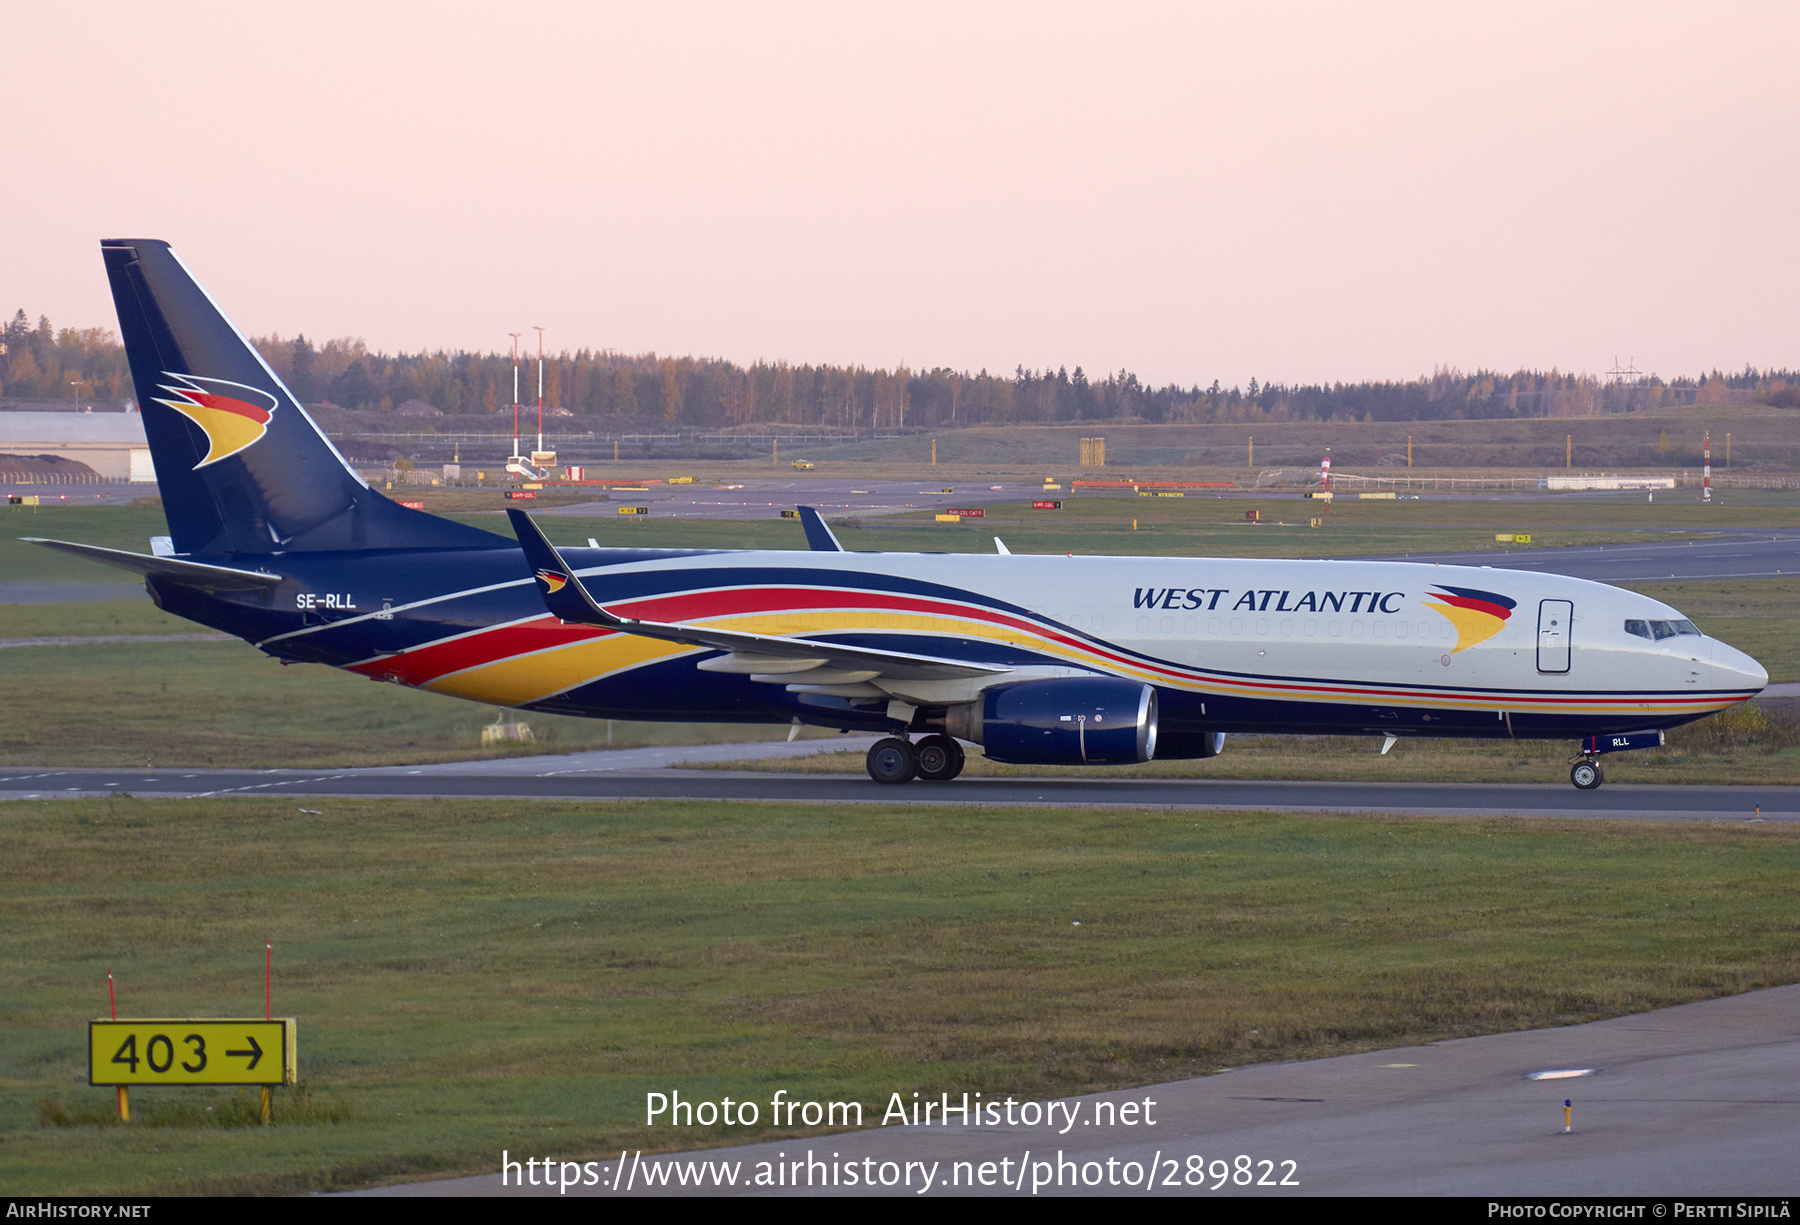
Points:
x=1584, y=770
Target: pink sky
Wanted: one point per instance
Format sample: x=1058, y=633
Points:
x=1299, y=193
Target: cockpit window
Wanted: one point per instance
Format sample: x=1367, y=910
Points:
x=1656, y=631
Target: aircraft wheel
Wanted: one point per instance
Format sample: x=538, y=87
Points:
x=1586, y=775
x=892, y=761
x=940, y=759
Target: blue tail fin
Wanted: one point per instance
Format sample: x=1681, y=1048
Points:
x=240, y=465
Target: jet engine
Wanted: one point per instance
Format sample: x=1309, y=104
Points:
x=1075, y=721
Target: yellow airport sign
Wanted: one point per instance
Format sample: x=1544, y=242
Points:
x=634, y=510
x=188, y=1051
x=949, y=518
x=1507, y=538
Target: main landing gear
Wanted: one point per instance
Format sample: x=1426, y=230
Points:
x=1586, y=774
x=936, y=759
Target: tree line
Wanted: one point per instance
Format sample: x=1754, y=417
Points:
x=648, y=390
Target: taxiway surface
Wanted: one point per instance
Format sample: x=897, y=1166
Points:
x=1732, y=555
x=641, y=774
x=1694, y=1100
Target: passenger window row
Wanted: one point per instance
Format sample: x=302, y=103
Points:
x=1287, y=626
x=1656, y=631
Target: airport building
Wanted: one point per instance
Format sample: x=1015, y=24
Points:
x=112, y=444
x=1606, y=482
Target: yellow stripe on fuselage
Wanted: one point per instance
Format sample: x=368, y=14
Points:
x=531, y=678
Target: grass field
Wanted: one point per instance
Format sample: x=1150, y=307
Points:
x=1666, y=440
x=470, y=977
x=1089, y=523
x=1211, y=526
x=1662, y=440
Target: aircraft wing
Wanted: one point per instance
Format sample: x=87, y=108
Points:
x=187, y=573
x=757, y=654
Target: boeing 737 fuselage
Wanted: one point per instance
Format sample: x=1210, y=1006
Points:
x=1040, y=659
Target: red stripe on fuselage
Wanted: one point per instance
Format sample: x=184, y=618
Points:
x=745, y=601
x=422, y=664
x=688, y=607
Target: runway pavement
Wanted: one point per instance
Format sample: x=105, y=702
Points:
x=1700, y=1099
x=1763, y=554
x=642, y=775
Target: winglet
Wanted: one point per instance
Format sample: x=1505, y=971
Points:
x=563, y=592
x=1000, y=547
x=818, y=537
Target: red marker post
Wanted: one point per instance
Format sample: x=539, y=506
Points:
x=268, y=1008
x=112, y=1004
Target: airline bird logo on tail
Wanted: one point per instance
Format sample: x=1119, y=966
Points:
x=232, y=415
x=552, y=581
x=1477, y=615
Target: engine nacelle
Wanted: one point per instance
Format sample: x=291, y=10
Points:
x=1075, y=721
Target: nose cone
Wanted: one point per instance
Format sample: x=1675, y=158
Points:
x=1732, y=669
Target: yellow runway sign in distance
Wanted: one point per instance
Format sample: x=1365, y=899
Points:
x=212, y=1051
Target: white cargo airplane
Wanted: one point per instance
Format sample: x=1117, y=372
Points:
x=1058, y=659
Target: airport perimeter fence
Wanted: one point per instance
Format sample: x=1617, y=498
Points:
x=595, y=447
x=72, y=478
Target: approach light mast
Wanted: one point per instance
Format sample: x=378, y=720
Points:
x=516, y=457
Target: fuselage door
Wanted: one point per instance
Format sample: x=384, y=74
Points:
x=1554, y=620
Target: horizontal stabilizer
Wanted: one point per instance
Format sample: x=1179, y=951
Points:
x=187, y=573
x=568, y=599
